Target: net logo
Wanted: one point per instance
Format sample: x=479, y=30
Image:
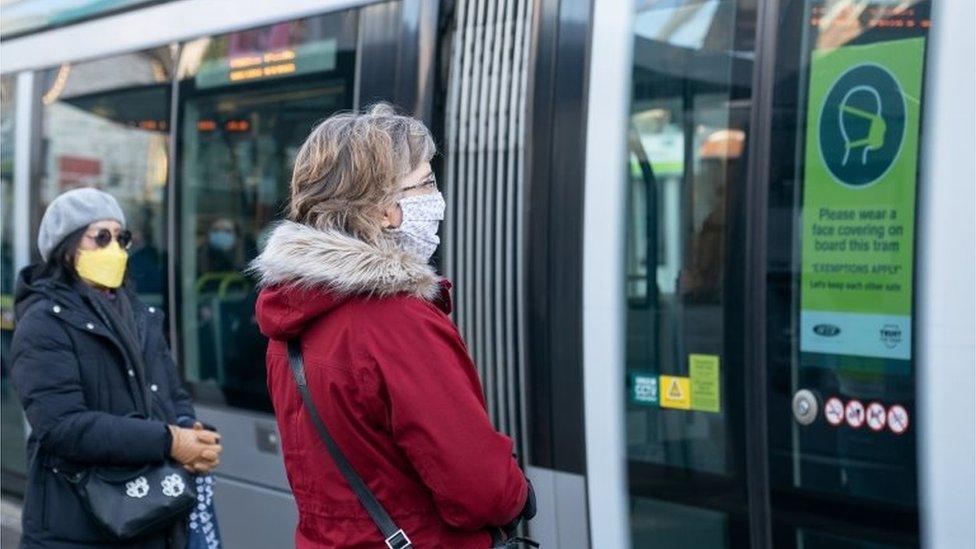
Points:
x=862, y=125
x=890, y=335
x=826, y=330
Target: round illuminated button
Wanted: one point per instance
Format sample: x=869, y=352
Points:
x=805, y=407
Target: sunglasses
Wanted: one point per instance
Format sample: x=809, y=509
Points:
x=104, y=237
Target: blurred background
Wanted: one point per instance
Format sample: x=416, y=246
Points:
x=631, y=187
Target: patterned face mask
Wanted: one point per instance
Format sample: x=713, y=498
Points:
x=417, y=232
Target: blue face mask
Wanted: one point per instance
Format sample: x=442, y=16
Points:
x=222, y=240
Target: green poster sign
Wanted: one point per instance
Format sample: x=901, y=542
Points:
x=861, y=161
x=705, y=387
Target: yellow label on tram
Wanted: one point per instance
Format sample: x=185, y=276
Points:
x=675, y=392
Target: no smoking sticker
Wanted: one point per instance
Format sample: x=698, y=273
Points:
x=898, y=419
x=854, y=412
x=876, y=415
x=834, y=411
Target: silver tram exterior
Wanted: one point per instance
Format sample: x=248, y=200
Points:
x=713, y=258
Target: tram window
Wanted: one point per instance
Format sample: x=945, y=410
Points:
x=8, y=89
x=247, y=101
x=841, y=259
x=105, y=125
x=690, y=104
x=13, y=445
x=683, y=156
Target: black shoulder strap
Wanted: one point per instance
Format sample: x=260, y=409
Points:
x=395, y=537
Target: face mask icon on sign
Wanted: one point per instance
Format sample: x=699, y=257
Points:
x=862, y=125
x=873, y=138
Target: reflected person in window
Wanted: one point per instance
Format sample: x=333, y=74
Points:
x=348, y=275
x=95, y=376
x=146, y=266
x=223, y=250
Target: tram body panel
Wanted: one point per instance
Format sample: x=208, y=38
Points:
x=254, y=504
x=251, y=516
x=563, y=517
x=166, y=23
x=947, y=327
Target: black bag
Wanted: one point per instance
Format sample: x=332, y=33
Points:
x=132, y=502
x=129, y=503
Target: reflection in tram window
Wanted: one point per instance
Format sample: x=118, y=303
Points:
x=13, y=445
x=8, y=89
x=105, y=125
x=690, y=106
x=247, y=101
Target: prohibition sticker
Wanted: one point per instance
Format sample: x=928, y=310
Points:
x=876, y=414
x=854, y=412
x=834, y=411
x=898, y=419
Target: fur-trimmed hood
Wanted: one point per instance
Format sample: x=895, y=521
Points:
x=304, y=273
x=302, y=256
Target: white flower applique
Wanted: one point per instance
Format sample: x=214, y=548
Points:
x=173, y=486
x=137, y=488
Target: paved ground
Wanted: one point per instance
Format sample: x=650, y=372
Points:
x=9, y=523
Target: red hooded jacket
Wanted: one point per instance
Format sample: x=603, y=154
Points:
x=393, y=381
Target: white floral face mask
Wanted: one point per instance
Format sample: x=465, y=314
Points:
x=417, y=232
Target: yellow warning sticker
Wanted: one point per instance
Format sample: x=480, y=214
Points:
x=705, y=385
x=675, y=392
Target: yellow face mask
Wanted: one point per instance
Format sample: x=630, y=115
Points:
x=104, y=266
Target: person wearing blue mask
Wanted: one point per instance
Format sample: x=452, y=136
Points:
x=222, y=251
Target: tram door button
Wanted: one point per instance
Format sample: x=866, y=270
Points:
x=805, y=407
x=266, y=437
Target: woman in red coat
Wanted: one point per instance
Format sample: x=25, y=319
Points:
x=348, y=274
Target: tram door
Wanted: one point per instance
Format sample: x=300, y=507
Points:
x=840, y=364
x=246, y=102
x=833, y=465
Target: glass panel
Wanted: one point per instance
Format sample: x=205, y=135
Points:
x=8, y=108
x=690, y=106
x=247, y=101
x=13, y=445
x=667, y=525
x=842, y=204
x=105, y=125
x=811, y=539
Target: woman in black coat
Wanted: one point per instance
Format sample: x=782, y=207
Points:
x=89, y=359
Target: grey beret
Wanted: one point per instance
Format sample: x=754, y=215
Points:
x=73, y=210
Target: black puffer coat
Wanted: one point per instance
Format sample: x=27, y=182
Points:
x=77, y=385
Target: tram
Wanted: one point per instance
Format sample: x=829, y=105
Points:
x=700, y=248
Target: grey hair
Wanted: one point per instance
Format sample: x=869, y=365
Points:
x=350, y=166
